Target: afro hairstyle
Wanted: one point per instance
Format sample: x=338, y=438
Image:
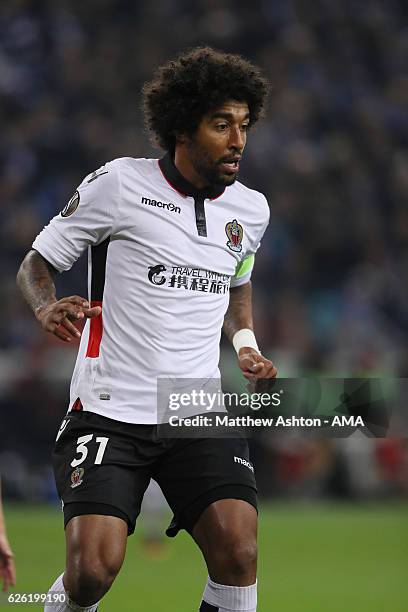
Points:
x=200, y=80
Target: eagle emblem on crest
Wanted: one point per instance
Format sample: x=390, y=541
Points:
x=235, y=233
x=76, y=477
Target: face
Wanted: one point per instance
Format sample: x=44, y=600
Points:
x=216, y=148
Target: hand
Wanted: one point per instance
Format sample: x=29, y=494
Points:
x=56, y=317
x=254, y=366
x=7, y=569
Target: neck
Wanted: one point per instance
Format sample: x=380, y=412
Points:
x=184, y=185
x=185, y=167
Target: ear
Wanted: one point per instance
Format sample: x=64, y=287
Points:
x=181, y=138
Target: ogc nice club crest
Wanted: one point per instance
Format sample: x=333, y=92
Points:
x=76, y=477
x=235, y=234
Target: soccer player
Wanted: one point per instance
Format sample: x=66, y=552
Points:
x=166, y=240
x=7, y=569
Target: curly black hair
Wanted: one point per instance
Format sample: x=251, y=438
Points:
x=197, y=82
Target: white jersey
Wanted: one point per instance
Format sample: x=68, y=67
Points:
x=162, y=257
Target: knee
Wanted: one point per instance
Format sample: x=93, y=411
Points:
x=235, y=559
x=242, y=557
x=87, y=580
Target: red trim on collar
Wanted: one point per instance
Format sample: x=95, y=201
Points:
x=171, y=184
x=218, y=196
x=182, y=186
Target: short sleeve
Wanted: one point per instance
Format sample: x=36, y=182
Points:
x=86, y=220
x=243, y=271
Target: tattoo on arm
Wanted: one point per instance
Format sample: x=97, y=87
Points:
x=239, y=313
x=35, y=280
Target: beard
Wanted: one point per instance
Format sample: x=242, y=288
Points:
x=219, y=178
x=209, y=170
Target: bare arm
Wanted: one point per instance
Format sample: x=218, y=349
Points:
x=35, y=280
x=7, y=569
x=239, y=316
x=239, y=313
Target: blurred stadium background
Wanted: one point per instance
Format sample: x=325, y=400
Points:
x=330, y=280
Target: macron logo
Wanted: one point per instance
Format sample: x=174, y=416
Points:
x=168, y=206
x=243, y=462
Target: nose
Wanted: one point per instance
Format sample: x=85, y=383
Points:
x=237, y=139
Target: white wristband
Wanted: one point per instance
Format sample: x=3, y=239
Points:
x=244, y=337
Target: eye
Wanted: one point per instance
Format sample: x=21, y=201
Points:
x=221, y=127
x=245, y=127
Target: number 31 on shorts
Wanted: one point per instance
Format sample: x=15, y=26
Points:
x=82, y=449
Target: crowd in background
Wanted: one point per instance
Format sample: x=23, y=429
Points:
x=331, y=157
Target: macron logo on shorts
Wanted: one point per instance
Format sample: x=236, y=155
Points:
x=243, y=462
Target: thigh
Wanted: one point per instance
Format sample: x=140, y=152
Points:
x=226, y=533
x=96, y=540
x=225, y=522
x=97, y=471
x=196, y=473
